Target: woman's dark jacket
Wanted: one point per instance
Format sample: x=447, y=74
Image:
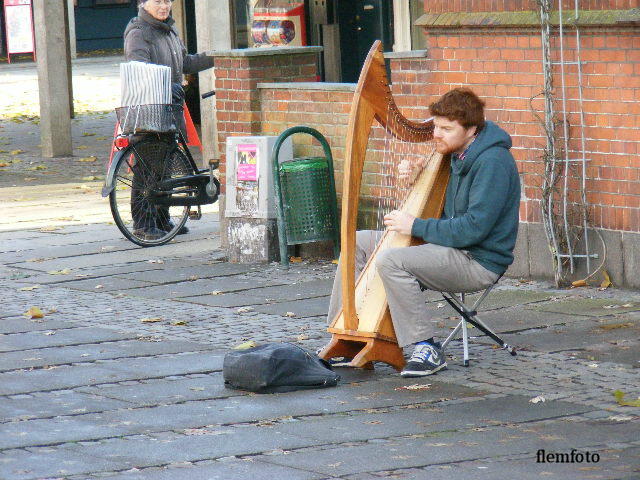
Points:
x=153, y=41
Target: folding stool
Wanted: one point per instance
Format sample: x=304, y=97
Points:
x=469, y=314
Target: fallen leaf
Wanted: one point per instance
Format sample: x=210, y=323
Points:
x=246, y=345
x=335, y=262
x=4, y=164
x=37, y=167
x=302, y=337
x=619, y=395
x=197, y=389
x=415, y=386
x=88, y=134
x=90, y=179
x=65, y=271
x=295, y=259
x=50, y=229
x=606, y=283
x=151, y=320
x=16, y=152
x=579, y=283
x=34, y=312
x=92, y=158
x=615, y=326
x=179, y=322
x=28, y=289
x=620, y=418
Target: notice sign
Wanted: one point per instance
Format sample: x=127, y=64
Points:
x=18, y=26
x=247, y=162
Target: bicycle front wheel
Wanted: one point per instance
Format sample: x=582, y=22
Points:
x=140, y=207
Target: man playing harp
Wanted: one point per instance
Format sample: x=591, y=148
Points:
x=468, y=248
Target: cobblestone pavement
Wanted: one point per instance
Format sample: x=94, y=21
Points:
x=122, y=377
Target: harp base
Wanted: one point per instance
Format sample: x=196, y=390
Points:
x=364, y=351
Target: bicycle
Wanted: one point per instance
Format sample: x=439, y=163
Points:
x=153, y=182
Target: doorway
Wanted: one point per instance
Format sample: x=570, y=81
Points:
x=361, y=22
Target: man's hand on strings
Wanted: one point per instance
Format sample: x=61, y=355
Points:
x=398, y=221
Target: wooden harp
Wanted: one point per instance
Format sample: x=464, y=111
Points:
x=363, y=329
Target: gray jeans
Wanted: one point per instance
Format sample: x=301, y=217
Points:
x=443, y=269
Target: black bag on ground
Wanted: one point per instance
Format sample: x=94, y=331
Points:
x=276, y=367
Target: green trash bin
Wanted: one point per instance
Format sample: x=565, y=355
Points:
x=305, y=196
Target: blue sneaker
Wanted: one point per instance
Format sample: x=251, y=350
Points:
x=426, y=359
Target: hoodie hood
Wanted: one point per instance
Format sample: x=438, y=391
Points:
x=491, y=136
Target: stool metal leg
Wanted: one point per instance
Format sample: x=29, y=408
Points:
x=470, y=316
x=465, y=336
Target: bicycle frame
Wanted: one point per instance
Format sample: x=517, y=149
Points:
x=201, y=182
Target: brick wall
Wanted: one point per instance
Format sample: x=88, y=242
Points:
x=505, y=68
x=238, y=73
x=449, y=6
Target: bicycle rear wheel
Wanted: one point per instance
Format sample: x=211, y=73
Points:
x=138, y=202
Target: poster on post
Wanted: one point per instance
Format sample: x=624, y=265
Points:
x=18, y=27
x=247, y=163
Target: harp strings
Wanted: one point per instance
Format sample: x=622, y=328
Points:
x=389, y=190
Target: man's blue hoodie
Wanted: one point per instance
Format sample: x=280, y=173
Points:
x=482, y=203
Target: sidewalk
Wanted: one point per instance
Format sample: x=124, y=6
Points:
x=121, y=378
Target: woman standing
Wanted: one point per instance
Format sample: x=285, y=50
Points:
x=151, y=37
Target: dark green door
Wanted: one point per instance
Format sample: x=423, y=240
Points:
x=361, y=23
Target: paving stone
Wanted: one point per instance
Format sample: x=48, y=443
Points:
x=613, y=465
x=65, y=355
x=235, y=469
x=174, y=448
x=301, y=308
x=411, y=421
x=266, y=295
x=64, y=337
x=455, y=446
x=106, y=284
x=233, y=410
x=594, y=307
x=52, y=404
x=198, y=287
x=501, y=298
x=183, y=273
x=15, y=382
x=163, y=392
x=584, y=335
x=49, y=463
x=23, y=324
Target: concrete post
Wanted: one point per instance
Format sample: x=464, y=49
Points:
x=72, y=29
x=53, y=77
x=215, y=31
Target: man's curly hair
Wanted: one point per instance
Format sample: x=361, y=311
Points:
x=460, y=104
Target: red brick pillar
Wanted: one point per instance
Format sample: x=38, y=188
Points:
x=239, y=111
x=238, y=73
